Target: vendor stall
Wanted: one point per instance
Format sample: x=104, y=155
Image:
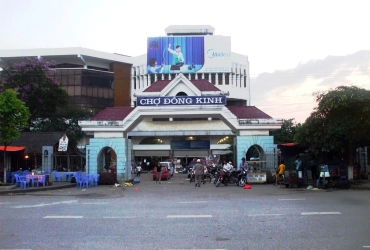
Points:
x=257, y=172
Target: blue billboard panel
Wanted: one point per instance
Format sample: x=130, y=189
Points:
x=186, y=54
x=168, y=54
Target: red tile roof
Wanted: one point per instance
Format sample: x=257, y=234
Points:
x=157, y=86
x=120, y=113
x=202, y=85
x=248, y=112
x=113, y=114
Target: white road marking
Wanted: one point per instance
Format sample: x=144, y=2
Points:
x=4, y=203
x=292, y=199
x=189, y=216
x=319, y=213
x=63, y=217
x=265, y=214
x=119, y=217
x=366, y=246
x=95, y=203
x=46, y=204
x=190, y=202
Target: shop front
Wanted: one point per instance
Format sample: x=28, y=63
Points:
x=170, y=127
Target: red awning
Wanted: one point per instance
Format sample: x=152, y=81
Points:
x=12, y=148
x=289, y=144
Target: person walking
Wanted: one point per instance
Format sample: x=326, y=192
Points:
x=198, y=172
x=138, y=169
x=159, y=172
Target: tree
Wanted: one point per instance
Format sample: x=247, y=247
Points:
x=340, y=122
x=35, y=81
x=65, y=120
x=13, y=118
x=286, y=133
x=36, y=85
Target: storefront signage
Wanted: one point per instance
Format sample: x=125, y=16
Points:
x=181, y=100
x=190, y=144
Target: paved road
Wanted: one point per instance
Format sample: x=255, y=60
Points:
x=178, y=215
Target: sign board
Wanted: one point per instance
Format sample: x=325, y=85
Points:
x=63, y=143
x=181, y=100
x=188, y=54
x=256, y=177
x=190, y=144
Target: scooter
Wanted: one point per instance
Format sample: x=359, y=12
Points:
x=222, y=178
x=242, y=177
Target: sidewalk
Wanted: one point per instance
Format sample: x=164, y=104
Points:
x=360, y=184
x=357, y=184
x=12, y=189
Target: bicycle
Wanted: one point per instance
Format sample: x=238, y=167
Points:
x=280, y=181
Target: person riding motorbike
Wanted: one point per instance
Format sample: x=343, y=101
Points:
x=227, y=169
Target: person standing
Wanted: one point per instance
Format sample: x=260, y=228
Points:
x=244, y=165
x=280, y=172
x=178, y=57
x=313, y=167
x=298, y=164
x=159, y=172
x=198, y=172
x=138, y=169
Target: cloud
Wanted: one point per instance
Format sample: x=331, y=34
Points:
x=290, y=93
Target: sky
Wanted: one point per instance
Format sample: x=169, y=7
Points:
x=294, y=48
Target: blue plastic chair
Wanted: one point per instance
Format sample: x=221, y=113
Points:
x=96, y=179
x=26, y=172
x=13, y=177
x=9, y=177
x=41, y=181
x=78, y=181
x=46, y=172
x=57, y=176
x=24, y=182
x=85, y=180
x=18, y=180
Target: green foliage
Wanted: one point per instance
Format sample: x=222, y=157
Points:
x=36, y=86
x=286, y=133
x=35, y=81
x=340, y=122
x=64, y=120
x=13, y=116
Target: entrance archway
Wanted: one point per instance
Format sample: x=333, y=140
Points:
x=107, y=160
x=256, y=158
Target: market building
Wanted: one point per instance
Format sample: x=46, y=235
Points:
x=188, y=96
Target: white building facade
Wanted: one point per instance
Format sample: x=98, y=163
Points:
x=173, y=110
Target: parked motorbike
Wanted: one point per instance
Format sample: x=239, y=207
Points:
x=222, y=178
x=234, y=177
x=242, y=177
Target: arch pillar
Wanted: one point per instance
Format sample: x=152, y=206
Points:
x=121, y=146
x=243, y=143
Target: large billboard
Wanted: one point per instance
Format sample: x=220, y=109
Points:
x=188, y=54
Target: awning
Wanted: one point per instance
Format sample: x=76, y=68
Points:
x=12, y=148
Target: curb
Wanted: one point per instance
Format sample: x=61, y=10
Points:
x=13, y=190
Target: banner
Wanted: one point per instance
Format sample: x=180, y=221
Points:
x=181, y=100
x=63, y=143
